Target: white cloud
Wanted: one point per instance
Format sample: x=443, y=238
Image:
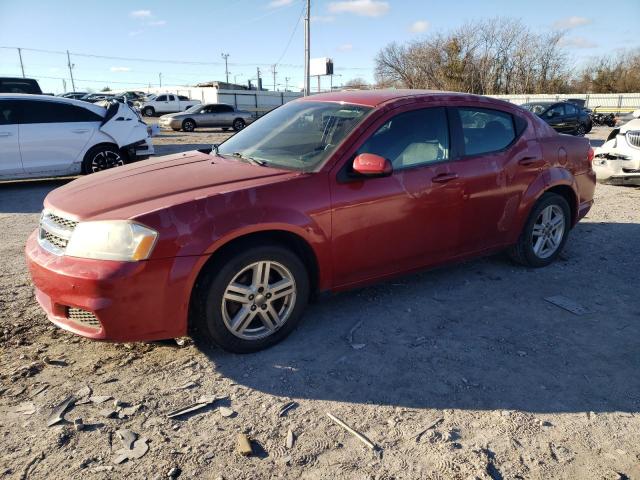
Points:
x=135, y=33
x=279, y=3
x=158, y=23
x=322, y=19
x=346, y=47
x=571, y=22
x=141, y=13
x=364, y=8
x=576, y=42
x=120, y=69
x=419, y=26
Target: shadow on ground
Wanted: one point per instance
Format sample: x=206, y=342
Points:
x=477, y=335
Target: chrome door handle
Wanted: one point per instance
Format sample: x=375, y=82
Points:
x=527, y=161
x=80, y=130
x=445, y=177
x=5, y=134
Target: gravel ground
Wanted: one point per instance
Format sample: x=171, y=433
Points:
x=462, y=372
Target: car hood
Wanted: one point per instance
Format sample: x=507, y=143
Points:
x=134, y=190
x=630, y=125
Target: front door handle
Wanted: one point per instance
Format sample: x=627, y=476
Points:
x=445, y=177
x=5, y=134
x=528, y=161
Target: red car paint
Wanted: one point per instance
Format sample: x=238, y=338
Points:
x=357, y=232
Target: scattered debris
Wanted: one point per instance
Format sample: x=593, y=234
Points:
x=124, y=412
x=57, y=413
x=355, y=346
x=521, y=353
x=290, y=439
x=226, y=411
x=182, y=341
x=433, y=425
x=29, y=466
x=285, y=408
x=26, y=408
x=567, y=304
x=175, y=471
x=102, y=468
x=244, y=445
x=127, y=437
x=100, y=398
x=209, y=455
x=139, y=448
x=185, y=386
x=108, y=413
x=353, y=432
x=201, y=403
x=58, y=362
x=78, y=424
x=85, y=391
x=39, y=389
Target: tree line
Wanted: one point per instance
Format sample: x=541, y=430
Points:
x=501, y=56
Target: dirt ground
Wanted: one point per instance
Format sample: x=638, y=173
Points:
x=462, y=372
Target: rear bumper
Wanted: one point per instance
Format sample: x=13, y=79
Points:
x=132, y=301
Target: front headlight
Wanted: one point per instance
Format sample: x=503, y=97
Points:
x=112, y=240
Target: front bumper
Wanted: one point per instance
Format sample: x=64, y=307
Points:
x=169, y=123
x=125, y=301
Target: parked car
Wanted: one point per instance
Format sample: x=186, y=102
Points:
x=165, y=103
x=210, y=115
x=46, y=136
x=325, y=193
x=96, y=97
x=75, y=95
x=19, y=85
x=564, y=117
x=618, y=160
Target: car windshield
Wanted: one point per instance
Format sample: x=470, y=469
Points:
x=194, y=109
x=536, y=108
x=299, y=135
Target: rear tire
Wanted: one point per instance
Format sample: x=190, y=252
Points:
x=541, y=242
x=149, y=111
x=581, y=130
x=230, y=293
x=238, y=124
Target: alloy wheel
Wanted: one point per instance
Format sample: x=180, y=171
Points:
x=106, y=159
x=548, y=231
x=259, y=300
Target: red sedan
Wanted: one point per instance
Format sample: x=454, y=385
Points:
x=325, y=193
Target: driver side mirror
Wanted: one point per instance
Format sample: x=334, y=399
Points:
x=372, y=165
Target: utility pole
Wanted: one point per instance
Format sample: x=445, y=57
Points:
x=226, y=65
x=286, y=83
x=21, y=64
x=160, y=79
x=307, y=47
x=64, y=85
x=273, y=71
x=70, y=65
x=258, y=81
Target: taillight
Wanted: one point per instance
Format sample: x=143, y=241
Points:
x=591, y=154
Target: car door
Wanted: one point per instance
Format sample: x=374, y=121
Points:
x=162, y=104
x=227, y=115
x=555, y=116
x=53, y=135
x=207, y=116
x=407, y=220
x=571, y=117
x=10, y=159
x=500, y=159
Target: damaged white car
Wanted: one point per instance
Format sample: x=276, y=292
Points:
x=46, y=136
x=618, y=160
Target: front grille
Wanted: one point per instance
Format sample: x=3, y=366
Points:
x=55, y=232
x=631, y=170
x=83, y=317
x=633, y=138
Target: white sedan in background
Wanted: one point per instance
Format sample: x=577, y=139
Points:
x=618, y=160
x=46, y=136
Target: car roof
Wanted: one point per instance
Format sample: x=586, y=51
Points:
x=50, y=98
x=374, y=98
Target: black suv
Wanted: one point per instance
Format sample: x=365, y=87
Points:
x=564, y=117
x=19, y=85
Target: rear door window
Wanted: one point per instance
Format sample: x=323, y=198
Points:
x=52, y=112
x=485, y=130
x=570, y=109
x=8, y=114
x=162, y=98
x=555, y=111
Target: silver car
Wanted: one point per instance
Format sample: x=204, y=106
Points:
x=209, y=115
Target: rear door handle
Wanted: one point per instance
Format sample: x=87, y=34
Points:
x=528, y=161
x=445, y=177
x=5, y=134
x=80, y=130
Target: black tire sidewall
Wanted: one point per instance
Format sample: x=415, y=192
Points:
x=208, y=317
x=186, y=122
x=584, y=131
x=527, y=248
x=240, y=122
x=86, y=162
x=149, y=111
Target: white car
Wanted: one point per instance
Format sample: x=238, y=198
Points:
x=165, y=103
x=46, y=136
x=618, y=160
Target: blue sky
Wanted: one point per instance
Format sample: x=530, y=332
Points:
x=256, y=32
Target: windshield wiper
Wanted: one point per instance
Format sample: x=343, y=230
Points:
x=251, y=160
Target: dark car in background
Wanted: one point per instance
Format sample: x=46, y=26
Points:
x=563, y=117
x=19, y=85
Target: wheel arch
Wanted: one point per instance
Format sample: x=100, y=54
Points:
x=568, y=193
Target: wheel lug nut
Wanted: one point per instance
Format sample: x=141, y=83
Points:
x=253, y=307
x=260, y=290
x=264, y=306
x=268, y=295
x=251, y=297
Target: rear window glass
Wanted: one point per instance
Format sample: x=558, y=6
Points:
x=53, y=112
x=19, y=86
x=485, y=130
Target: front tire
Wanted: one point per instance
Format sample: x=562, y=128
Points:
x=581, y=130
x=250, y=300
x=545, y=233
x=102, y=157
x=238, y=124
x=149, y=111
x=188, y=125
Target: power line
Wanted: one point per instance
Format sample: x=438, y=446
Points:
x=295, y=28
